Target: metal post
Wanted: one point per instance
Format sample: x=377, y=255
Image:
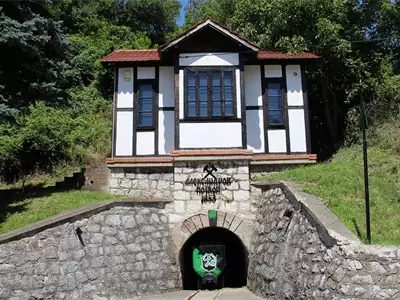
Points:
x=365, y=154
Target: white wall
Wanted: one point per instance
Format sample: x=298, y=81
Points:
x=209, y=59
x=125, y=89
x=297, y=130
x=146, y=72
x=293, y=83
x=210, y=135
x=252, y=84
x=277, y=141
x=166, y=132
x=166, y=97
x=238, y=95
x=181, y=95
x=273, y=71
x=145, y=143
x=124, y=133
x=255, y=130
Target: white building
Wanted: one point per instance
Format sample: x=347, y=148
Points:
x=209, y=94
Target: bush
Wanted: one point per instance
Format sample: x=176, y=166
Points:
x=48, y=137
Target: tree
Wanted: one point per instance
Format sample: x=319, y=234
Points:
x=197, y=10
x=33, y=57
x=342, y=32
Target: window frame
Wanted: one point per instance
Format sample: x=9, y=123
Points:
x=151, y=82
x=210, y=116
x=281, y=81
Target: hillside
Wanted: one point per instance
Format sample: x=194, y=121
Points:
x=340, y=184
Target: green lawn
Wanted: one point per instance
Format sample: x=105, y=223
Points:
x=340, y=184
x=26, y=211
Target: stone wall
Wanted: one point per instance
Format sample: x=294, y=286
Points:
x=123, y=252
x=97, y=178
x=144, y=183
x=234, y=197
x=301, y=251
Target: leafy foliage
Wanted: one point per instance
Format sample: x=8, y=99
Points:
x=357, y=40
x=33, y=50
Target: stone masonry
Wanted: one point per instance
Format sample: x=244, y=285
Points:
x=125, y=252
x=293, y=257
x=144, y=183
x=234, y=197
x=126, y=248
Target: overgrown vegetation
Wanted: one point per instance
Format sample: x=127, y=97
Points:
x=340, y=184
x=55, y=96
x=29, y=210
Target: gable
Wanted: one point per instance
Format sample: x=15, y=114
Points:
x=209, y=36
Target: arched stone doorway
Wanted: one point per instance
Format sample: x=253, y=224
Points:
x=216, y=227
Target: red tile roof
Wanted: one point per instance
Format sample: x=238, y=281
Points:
x=274, y=54
x=132, y=56
x=153, y=55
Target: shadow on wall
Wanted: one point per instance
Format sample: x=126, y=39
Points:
x=169, y=130
x=235, y=273
x=253, y=129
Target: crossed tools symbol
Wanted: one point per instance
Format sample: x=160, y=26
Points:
x=209, y=168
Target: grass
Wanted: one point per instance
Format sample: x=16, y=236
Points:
x=340, y=184
x=30, y=210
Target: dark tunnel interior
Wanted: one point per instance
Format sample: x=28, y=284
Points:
x=235, y=272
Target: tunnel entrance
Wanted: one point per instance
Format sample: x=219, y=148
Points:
x=236, y=259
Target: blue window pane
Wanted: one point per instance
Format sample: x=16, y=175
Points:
x=203, y=78
x=276, y=117
x=191, y=78
x=228, y=93
x=274, y=89
x=216, y=78
x=145, y=91
x=216, y=92
x=191, y=93
x=228, y=78
x=203, y=109
x=274, y=103
x=228, y=108
x=191, y=109
x=203, y=93
x=217, y=109
x=145, y=104
x=145, y=119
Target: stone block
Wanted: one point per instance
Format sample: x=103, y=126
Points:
x=178, y=186
x=241, y=177
x=181, y=195
x=164, y=185
x=113, y=220
x=193, y=206
x=181, y=177
x=180, y=206
x=241, y=195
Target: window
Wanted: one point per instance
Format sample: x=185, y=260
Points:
x=145, y=105
x=210, y=93
x=274, y=103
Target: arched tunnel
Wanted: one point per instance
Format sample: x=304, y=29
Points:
x=236, y=258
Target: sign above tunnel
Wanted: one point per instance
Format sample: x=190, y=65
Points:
x=209, y=186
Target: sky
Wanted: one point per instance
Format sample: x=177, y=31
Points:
x=182, y=12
